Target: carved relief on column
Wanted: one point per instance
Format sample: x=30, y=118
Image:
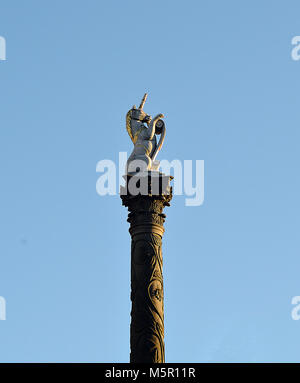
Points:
x=146, y=220
x=147, y=315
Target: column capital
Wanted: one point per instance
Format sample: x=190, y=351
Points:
x=146, y=207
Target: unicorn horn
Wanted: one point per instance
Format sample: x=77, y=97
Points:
x=143, y=101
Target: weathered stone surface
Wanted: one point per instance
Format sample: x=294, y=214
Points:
x=142, y=130
x=146, y=220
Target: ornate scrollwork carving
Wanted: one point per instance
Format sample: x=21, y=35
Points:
x=147, y=326
x=146, y=220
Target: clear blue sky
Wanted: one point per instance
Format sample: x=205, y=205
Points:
x=222, y=73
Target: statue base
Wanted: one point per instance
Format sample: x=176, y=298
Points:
x=147, y=183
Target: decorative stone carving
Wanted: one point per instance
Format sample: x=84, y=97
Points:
x=146, y=220
x=144, y=138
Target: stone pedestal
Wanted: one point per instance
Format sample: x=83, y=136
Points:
x=146, y=220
